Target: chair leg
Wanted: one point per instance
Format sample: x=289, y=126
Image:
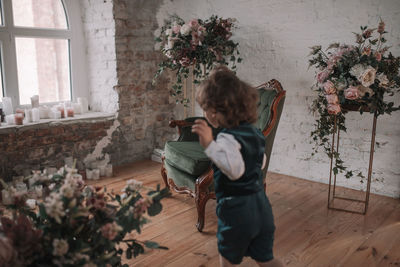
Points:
x=201, y=200
x=164, y=173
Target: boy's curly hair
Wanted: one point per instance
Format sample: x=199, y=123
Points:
x=234, y=99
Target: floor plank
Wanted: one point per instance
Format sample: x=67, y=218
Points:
x=308, y=234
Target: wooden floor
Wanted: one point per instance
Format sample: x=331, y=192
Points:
x=308, y=234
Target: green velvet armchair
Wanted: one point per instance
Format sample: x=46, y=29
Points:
x=187, y=169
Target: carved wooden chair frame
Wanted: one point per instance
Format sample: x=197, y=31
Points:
x=202, y=193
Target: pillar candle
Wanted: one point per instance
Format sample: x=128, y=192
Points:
x=44, y=112
x=35, y=101
x=7, y=197
x=70, y=112
x=84, y=103
x=10, y=119
x=62, y=110
x=35, y=115
x=28, y=115
x=7, y=106
x=109, y=170
x=19, y=118
x=77, y=108
x=96, y=174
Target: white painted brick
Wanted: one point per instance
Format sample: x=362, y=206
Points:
x=274, y=37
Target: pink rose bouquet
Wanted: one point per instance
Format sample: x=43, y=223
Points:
x=358, y=75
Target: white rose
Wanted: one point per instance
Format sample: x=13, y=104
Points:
x=357, y=70
x=368, y=77
x=168, y=32
x=383, y=79
x=185, y=29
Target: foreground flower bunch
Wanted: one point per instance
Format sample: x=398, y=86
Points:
x=196, y=43
x=77, y=225
x=352, y=77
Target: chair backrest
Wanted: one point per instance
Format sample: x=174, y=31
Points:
x=272, y=99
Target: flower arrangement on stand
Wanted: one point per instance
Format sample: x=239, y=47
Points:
x=352, y=77
x=76, y=224
x=196, y=46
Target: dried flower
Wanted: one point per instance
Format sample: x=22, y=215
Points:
x=60, y=247
x=111, y=230
x=54, y=206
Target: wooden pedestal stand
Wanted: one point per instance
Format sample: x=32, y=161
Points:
x=332, y=196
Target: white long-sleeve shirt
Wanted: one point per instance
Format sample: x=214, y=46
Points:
x=225, y=153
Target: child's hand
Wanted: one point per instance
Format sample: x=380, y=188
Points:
x=204, y=131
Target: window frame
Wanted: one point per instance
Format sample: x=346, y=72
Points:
x=73, y=34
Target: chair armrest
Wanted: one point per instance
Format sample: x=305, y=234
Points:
x=180, y=124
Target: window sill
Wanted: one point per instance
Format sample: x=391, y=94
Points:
x=90, y=117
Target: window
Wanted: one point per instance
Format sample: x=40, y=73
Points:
x=42, y=44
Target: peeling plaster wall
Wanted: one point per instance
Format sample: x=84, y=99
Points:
x=274, y=38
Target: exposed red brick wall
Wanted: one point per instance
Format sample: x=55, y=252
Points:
x=46, y=145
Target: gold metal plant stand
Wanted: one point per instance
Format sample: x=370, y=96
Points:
x=333, y=196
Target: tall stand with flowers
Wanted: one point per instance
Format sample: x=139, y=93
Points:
x=193, y=48
x=352, y=78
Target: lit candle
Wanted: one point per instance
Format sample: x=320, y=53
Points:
x=62, y=110
x=19, y=118
x=70, y=111
x=35, y=115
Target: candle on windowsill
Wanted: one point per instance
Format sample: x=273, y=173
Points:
x=44, y=112
x=77, y=108
x=10, y=119
x=28, y=116
x=84, y=103
x=7, y=106
x=70, y=112
x=20, y=110
x=19, y=118
x=35, y=101
x=62, y=110
x=35, y=115
x=109, y=170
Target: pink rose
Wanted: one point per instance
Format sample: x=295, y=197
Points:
x=352, y=93
x=322, y=76
x=329, y=87
x=332, y=99
x=176, y=29
x=194, y=24
x=333, y=109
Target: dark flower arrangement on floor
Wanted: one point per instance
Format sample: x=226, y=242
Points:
x=195, y=46
x=352, y=77
x=76, y=224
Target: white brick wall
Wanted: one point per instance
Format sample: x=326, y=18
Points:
x=99, y=29
x=274, y=38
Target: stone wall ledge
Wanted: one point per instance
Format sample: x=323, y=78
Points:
x=91, y=117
